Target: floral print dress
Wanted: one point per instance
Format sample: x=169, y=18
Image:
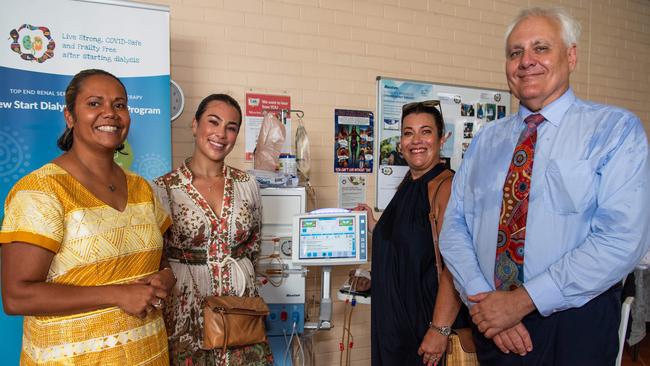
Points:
x=196, y=243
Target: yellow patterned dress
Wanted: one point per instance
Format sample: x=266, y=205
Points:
x=94, y=245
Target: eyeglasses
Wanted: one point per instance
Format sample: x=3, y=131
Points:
x=409, y=107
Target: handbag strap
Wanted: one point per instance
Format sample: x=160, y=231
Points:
x=433, y=216
x=220, y=265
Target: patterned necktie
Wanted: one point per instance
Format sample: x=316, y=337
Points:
x=509, y=265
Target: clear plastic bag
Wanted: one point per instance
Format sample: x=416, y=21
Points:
x=269, y=143
x=303, y=155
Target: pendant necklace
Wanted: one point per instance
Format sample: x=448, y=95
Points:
x=111, y=186
x=207, y=178
x=213, y=184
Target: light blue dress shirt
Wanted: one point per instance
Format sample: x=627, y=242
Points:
x=588, y=211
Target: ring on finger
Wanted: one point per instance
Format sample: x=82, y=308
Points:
x=157, y=304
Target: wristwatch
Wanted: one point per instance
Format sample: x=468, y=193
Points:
x=444, y=330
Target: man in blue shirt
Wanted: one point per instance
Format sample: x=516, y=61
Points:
x=587, y=217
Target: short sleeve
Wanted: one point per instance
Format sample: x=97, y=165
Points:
x=33, y=217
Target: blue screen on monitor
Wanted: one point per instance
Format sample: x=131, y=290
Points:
x=328, y=237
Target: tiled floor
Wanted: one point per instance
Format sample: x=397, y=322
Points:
x=644, y=354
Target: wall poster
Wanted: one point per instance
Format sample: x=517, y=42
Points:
x=353, y=141
x=351, y=190
x=256, y=106
x=464, y=109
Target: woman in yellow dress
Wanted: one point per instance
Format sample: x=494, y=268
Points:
x=82, y=244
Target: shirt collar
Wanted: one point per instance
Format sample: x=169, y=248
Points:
x=553, y=112
x=186, y=174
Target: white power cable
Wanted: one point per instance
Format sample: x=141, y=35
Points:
x=286, y=352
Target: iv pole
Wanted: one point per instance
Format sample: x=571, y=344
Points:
x=285, y=113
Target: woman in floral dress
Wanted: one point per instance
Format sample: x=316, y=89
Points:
x=216, y=212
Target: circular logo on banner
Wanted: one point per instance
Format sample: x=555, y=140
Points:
x=150, y=166
x=14, y=156
x=32, y=43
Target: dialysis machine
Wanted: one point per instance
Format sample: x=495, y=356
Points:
x=283, y=283
x=326, y=238
x=291, y=241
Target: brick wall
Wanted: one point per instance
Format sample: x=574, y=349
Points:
x=326, y=54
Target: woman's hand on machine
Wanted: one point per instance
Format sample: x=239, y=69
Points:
x=369, y=214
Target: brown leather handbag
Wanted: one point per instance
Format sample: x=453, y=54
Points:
x=461, y=350
x=232, y=321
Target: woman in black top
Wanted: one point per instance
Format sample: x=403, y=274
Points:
x=405, y=290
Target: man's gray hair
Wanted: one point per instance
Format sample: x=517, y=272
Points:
x=569, y=26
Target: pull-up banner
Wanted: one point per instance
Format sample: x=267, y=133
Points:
x=43, y=43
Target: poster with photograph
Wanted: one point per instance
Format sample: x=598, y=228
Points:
x=353, y=141
x=468, y=130
x=465, y=111
x=351, y=190
x=501, y=111
x=390, y=152
x=464, y=147
x=490, y=112
x=256, y=106
x=480, y=110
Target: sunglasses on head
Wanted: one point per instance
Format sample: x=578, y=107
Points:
x=407, y=108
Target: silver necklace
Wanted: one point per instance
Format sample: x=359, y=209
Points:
x=111, y=186
x=212, y=185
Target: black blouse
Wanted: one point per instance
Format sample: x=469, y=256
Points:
x=404, y=279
